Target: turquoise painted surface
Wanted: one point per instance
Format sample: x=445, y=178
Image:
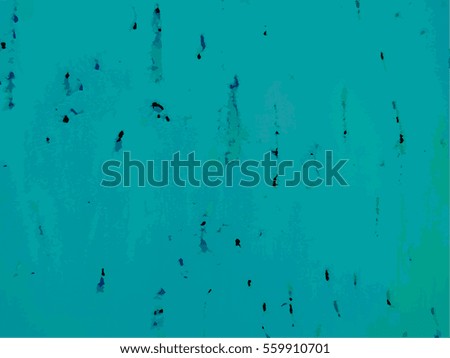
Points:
x=388, y=229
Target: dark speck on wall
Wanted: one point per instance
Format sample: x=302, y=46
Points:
x=157, y=107
x=119, y=136
x=202, y=47
x=388, y=298
x=275, y=181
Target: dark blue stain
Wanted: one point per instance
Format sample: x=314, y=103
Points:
x=120, y=136
x=9, y=89
x=101, y=285
x=156, y=51
x=344, y=111
x=336, y=308
x=202, y=42
x=235, y=83
x=10, y=79
x=203, y=245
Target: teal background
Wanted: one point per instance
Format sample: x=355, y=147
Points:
x=58, y=222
